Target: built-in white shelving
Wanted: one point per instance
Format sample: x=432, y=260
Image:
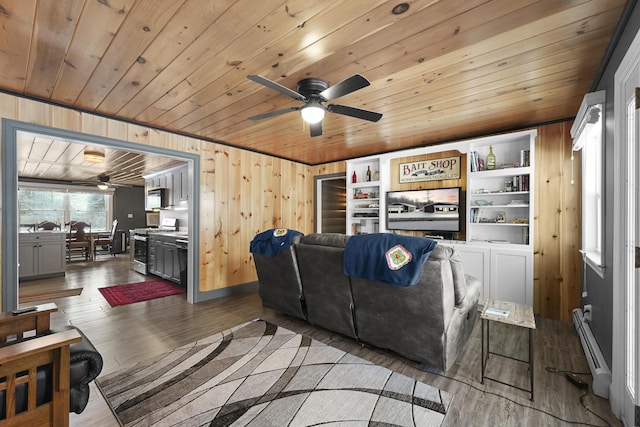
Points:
x=363, y=196
x=498, y=247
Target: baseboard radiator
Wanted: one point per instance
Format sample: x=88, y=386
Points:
x=599, y=369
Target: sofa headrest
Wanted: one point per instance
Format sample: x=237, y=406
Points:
x=273, y=241
x=443, y=252
x=335, y=240
x=459, y=281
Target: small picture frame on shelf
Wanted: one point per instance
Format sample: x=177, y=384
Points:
x=501, y=217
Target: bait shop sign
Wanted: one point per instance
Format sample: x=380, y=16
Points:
x=430, y=170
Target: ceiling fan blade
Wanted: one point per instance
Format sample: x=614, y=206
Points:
x=316, y=128
x=276, y=86
x=273, y=113
x=346, y=86
x=355, y=112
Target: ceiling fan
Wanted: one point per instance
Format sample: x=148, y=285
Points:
x=102, y=182
x=313, y=92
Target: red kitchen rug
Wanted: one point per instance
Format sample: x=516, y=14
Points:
x=137, y=292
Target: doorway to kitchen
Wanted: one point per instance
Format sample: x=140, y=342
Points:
x=331, y=203
x=11, y=129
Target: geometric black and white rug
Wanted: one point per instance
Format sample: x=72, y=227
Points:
x=259, y=374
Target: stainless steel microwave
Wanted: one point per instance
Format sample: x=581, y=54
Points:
x=157, y=198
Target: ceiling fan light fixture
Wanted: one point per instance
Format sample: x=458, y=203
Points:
x=312, y=113
x=94, y=155
x=103, y=186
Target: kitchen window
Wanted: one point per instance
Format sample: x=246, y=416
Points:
x=61, y=204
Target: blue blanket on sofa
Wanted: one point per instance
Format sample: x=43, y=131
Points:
x=273, y=241
x=391, y=258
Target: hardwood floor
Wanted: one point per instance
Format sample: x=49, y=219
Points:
x=128, y=334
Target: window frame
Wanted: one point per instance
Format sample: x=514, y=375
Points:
x=590, y=141
x=66, y=189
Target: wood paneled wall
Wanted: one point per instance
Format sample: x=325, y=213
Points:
x=557, y=264
x=243, y=193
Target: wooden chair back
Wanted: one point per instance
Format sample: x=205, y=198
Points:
x=20, y=360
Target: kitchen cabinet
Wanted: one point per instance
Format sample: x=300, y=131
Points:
x=163, y=260
x=183, y=181
x=152, y=250
x=41, y=255
x=174, y=180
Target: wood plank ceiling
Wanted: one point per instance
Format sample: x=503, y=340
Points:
x=443, y=70
x=41, y=157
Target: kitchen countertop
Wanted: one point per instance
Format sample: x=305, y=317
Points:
x=42, y=232
x=180, y=234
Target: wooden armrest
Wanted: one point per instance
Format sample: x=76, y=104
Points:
x=37, y=320
x=28, y=348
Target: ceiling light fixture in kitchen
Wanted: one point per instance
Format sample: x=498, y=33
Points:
x=94, y=154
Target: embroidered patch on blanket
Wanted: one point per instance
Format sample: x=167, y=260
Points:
x=397, y=257
x=279, y=232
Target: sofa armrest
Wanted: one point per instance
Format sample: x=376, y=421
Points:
x=83, y=351
x=85, y=365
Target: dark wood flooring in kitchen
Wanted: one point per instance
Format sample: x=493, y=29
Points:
x=128, y=334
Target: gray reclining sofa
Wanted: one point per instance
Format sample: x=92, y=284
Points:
x=428, y=322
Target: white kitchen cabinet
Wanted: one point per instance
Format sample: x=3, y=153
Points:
x=42, y=254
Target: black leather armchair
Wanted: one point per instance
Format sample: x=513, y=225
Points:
x=46, y=373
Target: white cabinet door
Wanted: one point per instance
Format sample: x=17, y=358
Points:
x=512, y=275
x=475, y=261
x=42, y=254
x=27, y=258
x=51, y=256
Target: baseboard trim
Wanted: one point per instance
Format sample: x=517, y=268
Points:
x=243, y=288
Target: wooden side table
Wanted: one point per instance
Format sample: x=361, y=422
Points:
x=511, y=314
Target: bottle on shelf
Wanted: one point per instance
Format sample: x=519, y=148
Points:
x=368, y=173
x=354, y=178
x=491, y=159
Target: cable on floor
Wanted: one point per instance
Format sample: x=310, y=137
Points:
x=542, y=411
x=581, y=398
